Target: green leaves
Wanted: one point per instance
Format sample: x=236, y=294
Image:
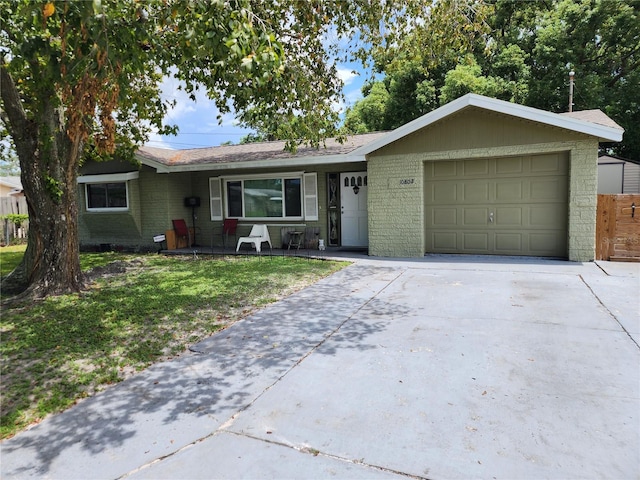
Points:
x=16, y=218
x=258, y=57
x=82, y=78
x=53, y=187
x=517, y=51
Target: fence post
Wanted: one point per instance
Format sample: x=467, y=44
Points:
x=5, y=231
x=605, y=226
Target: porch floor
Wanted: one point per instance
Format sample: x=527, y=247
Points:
x=329, y=253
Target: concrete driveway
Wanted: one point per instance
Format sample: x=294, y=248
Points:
x=444, y=367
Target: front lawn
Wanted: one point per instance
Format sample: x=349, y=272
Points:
x=65, y=348
x=10, y=258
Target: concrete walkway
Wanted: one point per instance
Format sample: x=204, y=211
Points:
x=443, y=367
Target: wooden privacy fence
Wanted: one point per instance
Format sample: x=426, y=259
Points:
x=618, y=228
x=8, y=229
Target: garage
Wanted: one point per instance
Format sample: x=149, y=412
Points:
x=499, y=206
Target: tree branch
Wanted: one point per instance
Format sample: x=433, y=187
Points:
x=14, y=116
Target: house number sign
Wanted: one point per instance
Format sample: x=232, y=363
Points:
x=407, y=181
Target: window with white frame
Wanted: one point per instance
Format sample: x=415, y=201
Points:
x=267, y=197
x=107, y=193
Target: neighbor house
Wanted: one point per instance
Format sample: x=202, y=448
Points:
x=618, y=175
x=10, y=187
x=476, y=176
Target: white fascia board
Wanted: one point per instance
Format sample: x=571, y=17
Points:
x=253, y=164
x=603, y=132
x=500, y=106
x=109, y=177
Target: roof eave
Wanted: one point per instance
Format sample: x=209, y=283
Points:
x=160, y=167
x=252, y=164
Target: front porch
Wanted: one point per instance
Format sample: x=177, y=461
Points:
x=330, y=253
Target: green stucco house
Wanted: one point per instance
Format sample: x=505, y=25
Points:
x=476, y=176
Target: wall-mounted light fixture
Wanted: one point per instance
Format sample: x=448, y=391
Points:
x=356, y=189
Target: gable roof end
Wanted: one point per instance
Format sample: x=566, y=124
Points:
x=593, y=124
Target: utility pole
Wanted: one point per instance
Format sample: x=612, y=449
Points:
x=571, y=74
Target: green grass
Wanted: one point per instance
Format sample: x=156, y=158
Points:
x=64, y=348
x=10, y=258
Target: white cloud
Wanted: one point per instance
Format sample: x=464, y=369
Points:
x=198, y=120
x=158, y=141
x=347, y=75
x=228, y=120
x=352, y=78
x=353, y=96
x=173, y=90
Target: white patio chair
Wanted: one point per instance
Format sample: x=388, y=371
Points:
x=258, y=234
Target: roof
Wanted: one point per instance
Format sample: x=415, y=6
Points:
x=593, y=116
x=12, y=182
x=604, y=158
x=357, y=147
x=263, y=154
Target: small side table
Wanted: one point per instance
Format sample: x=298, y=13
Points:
x=295, y=240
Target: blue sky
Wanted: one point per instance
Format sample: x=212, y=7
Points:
x=198, y=122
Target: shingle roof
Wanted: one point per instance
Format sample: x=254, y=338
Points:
x=252, y=152
x=356, y=147
x=593, y=116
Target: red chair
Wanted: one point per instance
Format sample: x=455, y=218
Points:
x=182, y=231
x=229, y=227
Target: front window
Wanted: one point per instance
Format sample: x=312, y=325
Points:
x=264, y=198
x=107, y=196
x=234, y=199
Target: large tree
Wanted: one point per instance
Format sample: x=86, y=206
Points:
x=522, y=52
x=600, y=41
x=415, y=67
x=81, y=79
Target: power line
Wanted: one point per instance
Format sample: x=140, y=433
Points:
x=214, y=133
x=194, y=145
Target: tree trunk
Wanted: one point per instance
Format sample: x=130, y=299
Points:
x=51, y=264
x=49, y=168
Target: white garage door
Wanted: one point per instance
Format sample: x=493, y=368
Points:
x=500, y=206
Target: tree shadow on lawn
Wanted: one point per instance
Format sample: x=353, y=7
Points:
x=126, y=322
x=175, y=403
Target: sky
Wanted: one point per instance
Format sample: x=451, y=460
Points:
x=198, y=121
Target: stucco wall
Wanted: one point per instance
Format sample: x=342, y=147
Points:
x=154, y=199
x=396, y=201
x=583, y=200
x=122, y=228
x=162, y=197
x=396, y=205
x=157, y=198
x=475, y=128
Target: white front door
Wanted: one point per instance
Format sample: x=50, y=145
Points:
x=353, y=201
